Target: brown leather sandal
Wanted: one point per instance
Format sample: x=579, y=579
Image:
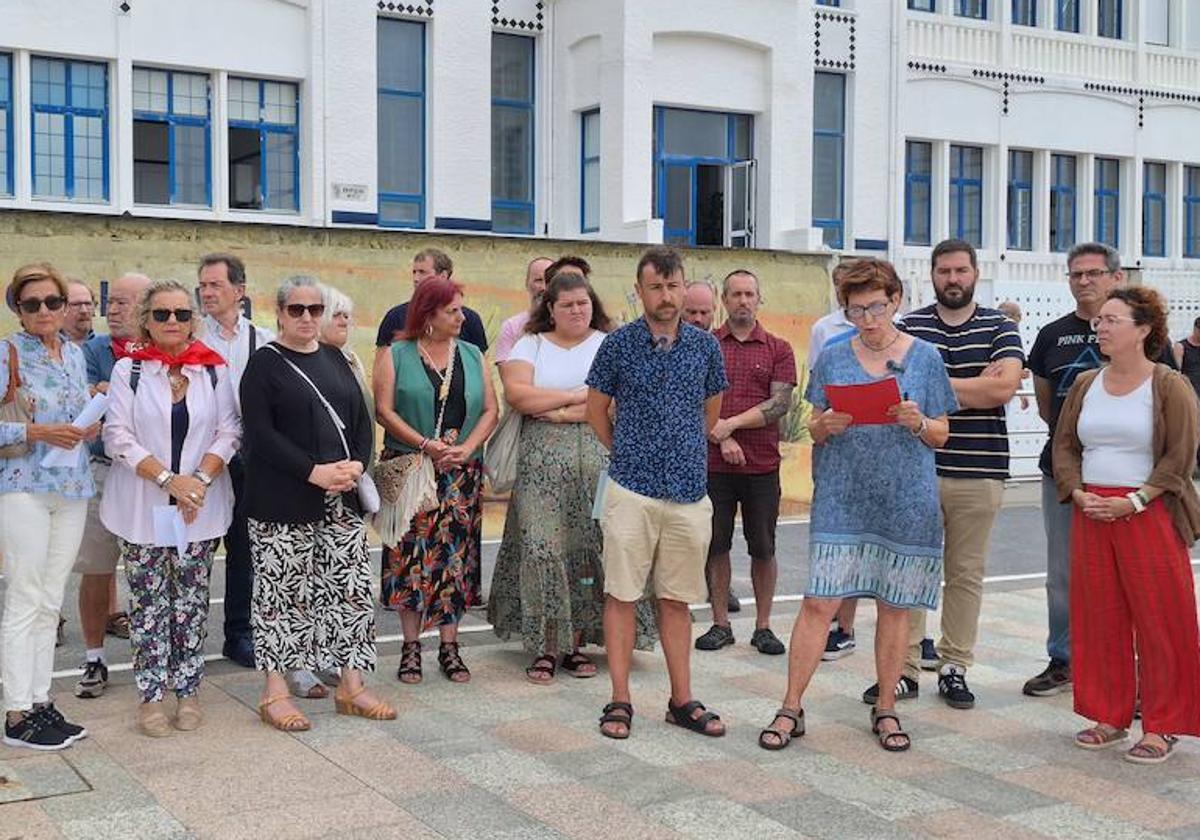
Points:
x=382, y=710
x=289, y=722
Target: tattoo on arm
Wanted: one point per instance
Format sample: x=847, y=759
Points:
x=776, y=406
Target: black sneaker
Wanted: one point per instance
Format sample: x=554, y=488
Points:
x=764, y=641
x=1054, y=680
x=93, y=682
x=929, y=660
x=952, y=686
x=838, y=644
x=35, y=732
x=732, y=604
x=906, y=689
x=239, y=650
x=716, y=638
x=72, y=730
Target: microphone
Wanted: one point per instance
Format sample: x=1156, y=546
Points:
x=894, y=367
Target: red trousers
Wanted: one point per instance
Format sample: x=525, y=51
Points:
x=1134, y=578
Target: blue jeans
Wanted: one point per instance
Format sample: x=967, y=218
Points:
x=1056, y=516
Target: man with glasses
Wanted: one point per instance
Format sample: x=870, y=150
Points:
x=81, y=307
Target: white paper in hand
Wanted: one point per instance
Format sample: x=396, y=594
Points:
x=170, y=531
x=601, y=491
x=92, y=412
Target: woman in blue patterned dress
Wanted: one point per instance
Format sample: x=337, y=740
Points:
x=876, y=528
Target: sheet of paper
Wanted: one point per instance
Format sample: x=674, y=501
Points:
x=601, y=489
x=93, y=411
x=867, y=404
x=170, y=531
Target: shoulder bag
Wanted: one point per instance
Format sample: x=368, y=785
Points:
x=501, y=453
x=17, y=406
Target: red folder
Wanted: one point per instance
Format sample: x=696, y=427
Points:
x=867, y=404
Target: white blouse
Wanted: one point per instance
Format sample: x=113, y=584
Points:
x=1117, y=434
x=557, y=367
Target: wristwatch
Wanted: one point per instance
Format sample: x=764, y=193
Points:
x=164, y=478
x=203, y=477
x=920, y=430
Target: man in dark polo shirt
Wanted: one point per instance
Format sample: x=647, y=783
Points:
x=743, y=458
x=984, y=359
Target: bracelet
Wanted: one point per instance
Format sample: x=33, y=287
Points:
x=203, y=477
x=920, y=430
x=1136, y=499
x=424, y=443
x=163, y=479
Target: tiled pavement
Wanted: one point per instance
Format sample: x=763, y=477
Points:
x=501, y=758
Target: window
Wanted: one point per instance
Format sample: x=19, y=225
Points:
x=1062, y=202
x=922, y=5
x=971, y=8
x=170, y=138
x=264, y=154
x=1191, y=211
x=1108, y=201
x=1020, y=200
x=589, y=178
x=1066, y=15
x=6, y=180
x=829, y=2
x=918, y=183
x=1024, y=12
x=829, y=156
x=400, y=131
x=966, y=194
x=512, y=133
x=70, y=129
x=1108, y=24
x=1154, y=209
x=1158, y=22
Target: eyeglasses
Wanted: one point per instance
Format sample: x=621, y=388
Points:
x=31, y=306
x=163, y=315
x=297, y=310
x=1109, y=320
x=1091, y=274
x=857, y=313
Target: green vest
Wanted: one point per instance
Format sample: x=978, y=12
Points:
x=414, y=398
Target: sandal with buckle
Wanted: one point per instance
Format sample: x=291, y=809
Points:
x=1100, y=737
x=541, y=672
x=796, y=716
x=118, y=625
x=1144, y=753
x=885, y=738
x=381, y=710
x=289, y=722
x=409, y=672
x=682, y=716
x=574, y=663
x=609, y=715
x=451, y=663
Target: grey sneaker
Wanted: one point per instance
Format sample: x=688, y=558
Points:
x=93, y=682
x=716, y=638
x=1054, y=680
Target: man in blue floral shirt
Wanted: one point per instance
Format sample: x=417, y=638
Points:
x=666, y=378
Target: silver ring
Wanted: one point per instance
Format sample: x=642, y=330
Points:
x=195, y=497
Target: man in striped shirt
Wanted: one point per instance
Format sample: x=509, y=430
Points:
x=983, y=355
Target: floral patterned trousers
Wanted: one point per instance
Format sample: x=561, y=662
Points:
x=168, y=615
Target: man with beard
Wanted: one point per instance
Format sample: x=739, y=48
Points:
x=982, y=351
x=513, y=328
x=743, y=458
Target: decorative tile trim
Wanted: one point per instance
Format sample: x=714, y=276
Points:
x=416, y=8
x=533, y=24
x=845, y=63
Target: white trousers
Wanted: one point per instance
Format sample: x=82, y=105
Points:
x=39, y=536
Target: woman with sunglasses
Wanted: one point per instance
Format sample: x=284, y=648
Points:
x=42, y=509
x=1124, y=449
x=308, y=437
x=171, y=428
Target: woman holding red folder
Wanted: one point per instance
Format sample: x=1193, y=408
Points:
x=876, y=527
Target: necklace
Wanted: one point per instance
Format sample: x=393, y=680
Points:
x=444, y=376
x=178, y=383
x=882, y=347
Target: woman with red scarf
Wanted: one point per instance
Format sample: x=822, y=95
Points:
x=172, y=426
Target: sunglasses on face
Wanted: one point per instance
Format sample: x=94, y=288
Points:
x=31, y=305
x=297, y=310
x=163, y=315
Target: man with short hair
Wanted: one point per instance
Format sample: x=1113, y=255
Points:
x=699, y=304
x=81, y=308
x=744, y=459
x=513, y=328
x=96, y=563
x=1187, y=356
x=666, y=378
x=222, y=281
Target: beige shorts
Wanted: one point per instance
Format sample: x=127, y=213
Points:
x=652, y=539
x=99, y=552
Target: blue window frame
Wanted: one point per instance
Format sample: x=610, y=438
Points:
x=922, y=5
x=6, y=150
x=966, y=194
x=70, y=129
x=1154, y=209
x=400, y=134
x=1108, y=21
x=1191, y=211
x=918, y=191
x=264, y=148
x=829, y=157
x=1024, y=12
x=971, y=8
x=1062, y=202
x=829, y=2
x=1020, y=200
x=1107, y=193
x=512, y=133
x=172, y=157
x=1066, y=15
x=589, y=171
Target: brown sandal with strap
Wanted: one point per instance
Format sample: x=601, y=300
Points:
x=878, y=716
x=289, y=722
x=382, y=710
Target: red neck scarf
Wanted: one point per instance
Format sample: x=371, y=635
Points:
x=120, y=347
x=196, y=353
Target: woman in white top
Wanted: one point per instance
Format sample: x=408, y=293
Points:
x=171, y=428
x=1124, y=451
x=548, y=587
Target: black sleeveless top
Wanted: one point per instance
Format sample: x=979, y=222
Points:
x=1191, y=364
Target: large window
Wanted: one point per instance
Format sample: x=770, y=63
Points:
x=171, y=159
x=1024, y=12
x=1154, y=209
x=1191, y=211
x=1108, y=23
x=1062, y=202
x=400, y=134
x=829, y=156
x=264, y=154
x=1066, y=15
x=70, y=129
x=512, y=133
x=918, y=184
x=1020, y=200
x=966, y=194
x=1157, y=22
x=6, y=184
x=589, y=171
x=922, y=5
x=1108, y=201
x=971, y=8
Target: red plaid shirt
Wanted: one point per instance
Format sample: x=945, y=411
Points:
x=751, y=366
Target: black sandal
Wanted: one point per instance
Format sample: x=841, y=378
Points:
x=682, y=716
x=785, y=738
x=544, y=664
x=885, y=738
x=573, y=661
x=609, y=715
x=409, y=672
x=451, y=663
